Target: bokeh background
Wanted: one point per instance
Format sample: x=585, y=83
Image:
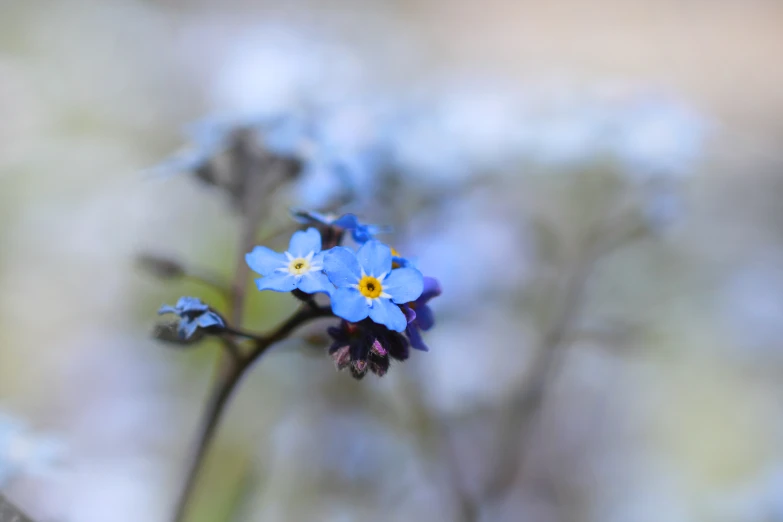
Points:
x=521, y=131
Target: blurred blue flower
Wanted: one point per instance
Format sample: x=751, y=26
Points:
x=658, y=136
x=300, y=267
x=193, y=315
x=24, y=453
x=419, y=314
x=367, y=285
x=360, y=232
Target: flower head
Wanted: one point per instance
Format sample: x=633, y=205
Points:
x=419, y=314
x=366, y=346
x=193, y=315
x=300, y=267
x=367, y=285
x=360, y=232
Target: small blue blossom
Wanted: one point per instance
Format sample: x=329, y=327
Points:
x=360, y=232
x=367, y=285
x=419, y=314
x=193, y=315
x=300, y=267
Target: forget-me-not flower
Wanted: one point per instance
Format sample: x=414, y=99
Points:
x=420, y=316
x=367, y=285
x=360, y=232
x=301, y=266
x=193, y=315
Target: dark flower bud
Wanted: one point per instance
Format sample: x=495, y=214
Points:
x=366, y=346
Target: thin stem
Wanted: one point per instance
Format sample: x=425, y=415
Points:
x=213, y=412
x=527, y=402
x=234, y=369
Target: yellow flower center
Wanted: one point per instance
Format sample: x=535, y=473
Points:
x=370, y=287
x=299, y=266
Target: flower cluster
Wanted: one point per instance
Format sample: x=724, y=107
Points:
x=379, y=295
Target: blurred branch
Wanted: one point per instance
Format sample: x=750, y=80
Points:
x=10, y=513
x=526, y=403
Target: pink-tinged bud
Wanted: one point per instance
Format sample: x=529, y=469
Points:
x=342, y=357
x=378, y=348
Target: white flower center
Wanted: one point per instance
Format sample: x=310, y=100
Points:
x=299, y=266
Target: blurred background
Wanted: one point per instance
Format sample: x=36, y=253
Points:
x=597, y=186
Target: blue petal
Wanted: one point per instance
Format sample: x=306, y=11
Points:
x=191, y=304
x=375, y=258
x=265, y=261
x=385, y=312
x=186, y=329
x=313, y=282
x=349, y=304
x=404, y=285
x=425, y=319
x=304, y=242
x=209, y=319
x=166, y=309
x=431, y=289
x=348, y=221
x=415, y=337
x=341, y=267
x=277, y=282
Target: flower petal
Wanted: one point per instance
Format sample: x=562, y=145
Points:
x=277, y=282
x=348, y=221
x=349, y=304
x=191, y=304
x=209, y=319
x=404, y=285
x=375, y=258
x=186, y=329
x=431, y=289
x=425, y=319
x=341, y=266
x=415, y=337
x=305, y=241
x=167, y=309
x=313, y=282
x=265, y=260
x=385, y=312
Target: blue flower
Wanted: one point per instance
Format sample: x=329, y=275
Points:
x=300, y=267
x=193, y=315
x=420, y=316
x=367, y=285
x=360, y=232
